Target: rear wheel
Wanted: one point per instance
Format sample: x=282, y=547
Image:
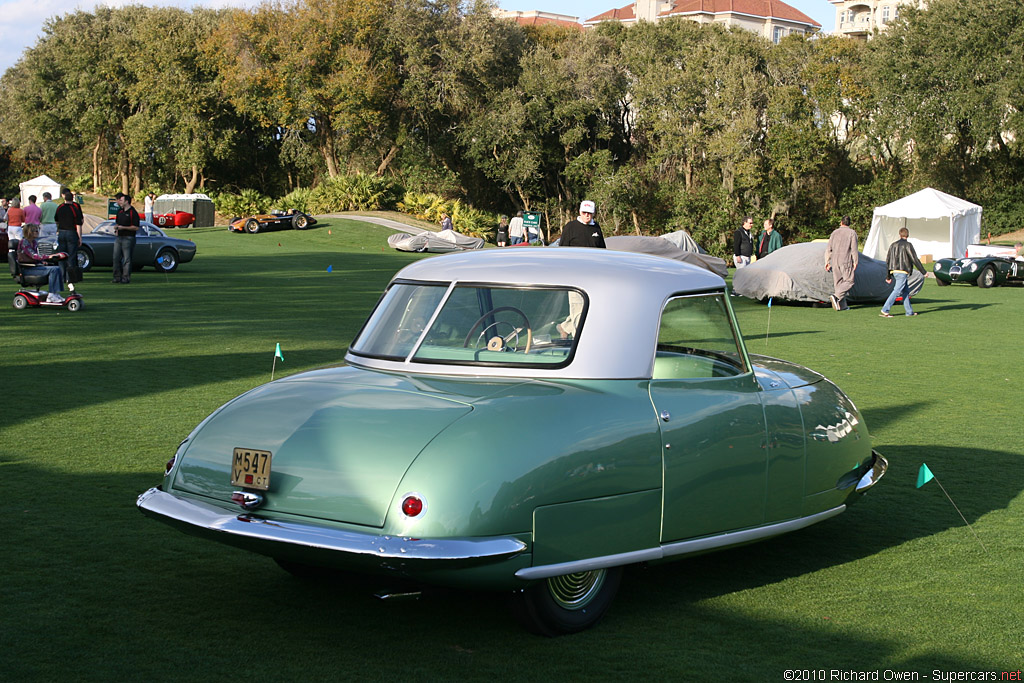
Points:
x=567, y=604
x=987, y=277
x=20, y=302
x=85, y=258
x=252, y=226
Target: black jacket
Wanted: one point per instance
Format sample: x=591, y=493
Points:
x=903, y=256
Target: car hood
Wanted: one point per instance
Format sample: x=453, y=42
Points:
x=341, y=439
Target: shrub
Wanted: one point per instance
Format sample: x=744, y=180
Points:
x=300, y=199
x=245, y=203
x=356, y=192
x=467, y=220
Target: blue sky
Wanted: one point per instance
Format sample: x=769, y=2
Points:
x=21, y=21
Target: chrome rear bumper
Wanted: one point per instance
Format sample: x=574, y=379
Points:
x=262, y=535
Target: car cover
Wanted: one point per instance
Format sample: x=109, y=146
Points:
x=659, y=246
x=434, y=242
x=797, y=273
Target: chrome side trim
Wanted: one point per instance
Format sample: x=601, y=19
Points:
x=203, y=516
x=878, y=468
x=680, y=548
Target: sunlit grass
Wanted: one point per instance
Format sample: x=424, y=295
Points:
x=96, y=403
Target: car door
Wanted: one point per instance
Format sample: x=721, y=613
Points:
x=712, y=421
x=145, y=243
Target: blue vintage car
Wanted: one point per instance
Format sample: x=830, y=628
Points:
x=531, y=421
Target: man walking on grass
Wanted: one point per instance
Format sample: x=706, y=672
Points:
x=900, y=260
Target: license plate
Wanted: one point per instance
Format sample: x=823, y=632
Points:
x=251, y=469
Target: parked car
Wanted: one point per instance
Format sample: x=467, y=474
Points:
x=275, y=220
x=526, y=420
x=796, y=272
x=984, y=271
x=152, y=248
x=174, y=219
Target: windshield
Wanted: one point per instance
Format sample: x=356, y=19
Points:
x=474, y=325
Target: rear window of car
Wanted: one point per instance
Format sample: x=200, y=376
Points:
x=484, y=325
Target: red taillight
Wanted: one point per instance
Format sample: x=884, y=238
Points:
x=412, y=506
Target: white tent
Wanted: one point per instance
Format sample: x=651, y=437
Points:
x=38, y=186
x=940, y=225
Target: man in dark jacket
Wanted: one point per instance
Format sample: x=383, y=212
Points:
x=583, y=231
x=900, y=260
x=743, y=243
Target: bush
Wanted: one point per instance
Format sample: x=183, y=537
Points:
x=356, y=192
x=465, y=219
x=300, y=199
x=245, y=203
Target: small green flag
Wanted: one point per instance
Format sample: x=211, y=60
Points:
x=278, y=354
x=924, y=475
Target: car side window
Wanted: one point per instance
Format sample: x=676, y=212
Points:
x=696, y=339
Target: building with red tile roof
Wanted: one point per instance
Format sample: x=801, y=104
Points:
x=772, y=19
x=537, y=18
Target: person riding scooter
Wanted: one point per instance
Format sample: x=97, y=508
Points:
x=34, y=263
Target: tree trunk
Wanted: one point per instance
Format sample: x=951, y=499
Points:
x=387, y=160
x=636, y=222
x=325, y=143
x=96, y=179
x=136, y=181
x=190, y=180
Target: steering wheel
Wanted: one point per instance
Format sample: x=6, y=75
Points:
x=498, y=342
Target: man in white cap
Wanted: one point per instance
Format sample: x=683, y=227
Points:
x=583, y=231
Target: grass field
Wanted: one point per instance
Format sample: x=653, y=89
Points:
x=97, y=401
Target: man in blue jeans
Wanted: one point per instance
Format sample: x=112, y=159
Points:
x=900, y=260
x=127, y=222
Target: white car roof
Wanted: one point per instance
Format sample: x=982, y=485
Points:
x=626, y=291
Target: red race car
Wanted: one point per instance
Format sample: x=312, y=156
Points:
x=177, y=219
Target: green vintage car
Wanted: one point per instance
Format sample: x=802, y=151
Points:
x=984, y=271
x=531, y=421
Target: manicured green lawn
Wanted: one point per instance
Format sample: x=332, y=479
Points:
x=96, y=402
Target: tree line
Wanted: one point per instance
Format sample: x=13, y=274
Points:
x=665, y=125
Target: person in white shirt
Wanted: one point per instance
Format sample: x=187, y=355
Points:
x=516, y=234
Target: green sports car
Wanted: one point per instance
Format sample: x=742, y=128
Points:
x=530, y=421
x=984, y=271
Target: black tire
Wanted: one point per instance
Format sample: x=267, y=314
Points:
x=300, y=222
x=20, y=302
x=85, y=259
x=566, y=604
x=987, y=277
x=75, y=305
x=252, y=226
x=941, y=282
x=166, y=261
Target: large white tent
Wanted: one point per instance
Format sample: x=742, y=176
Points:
x=940, y=225
x=38, y=186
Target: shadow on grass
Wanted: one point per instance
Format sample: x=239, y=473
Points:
x=137, y=599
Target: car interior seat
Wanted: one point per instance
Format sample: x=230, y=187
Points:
x=29, y=281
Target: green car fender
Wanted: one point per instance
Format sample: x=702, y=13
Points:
x=551, y=461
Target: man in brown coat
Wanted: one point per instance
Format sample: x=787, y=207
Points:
x=841, y=259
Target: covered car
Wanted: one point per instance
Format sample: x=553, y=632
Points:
x=441, y=242
x=153, y=247
x=659, y=246
x=797, y=273
x=531, y=421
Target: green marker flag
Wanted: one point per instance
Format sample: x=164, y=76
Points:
x=277, y=354
x=924, y=475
